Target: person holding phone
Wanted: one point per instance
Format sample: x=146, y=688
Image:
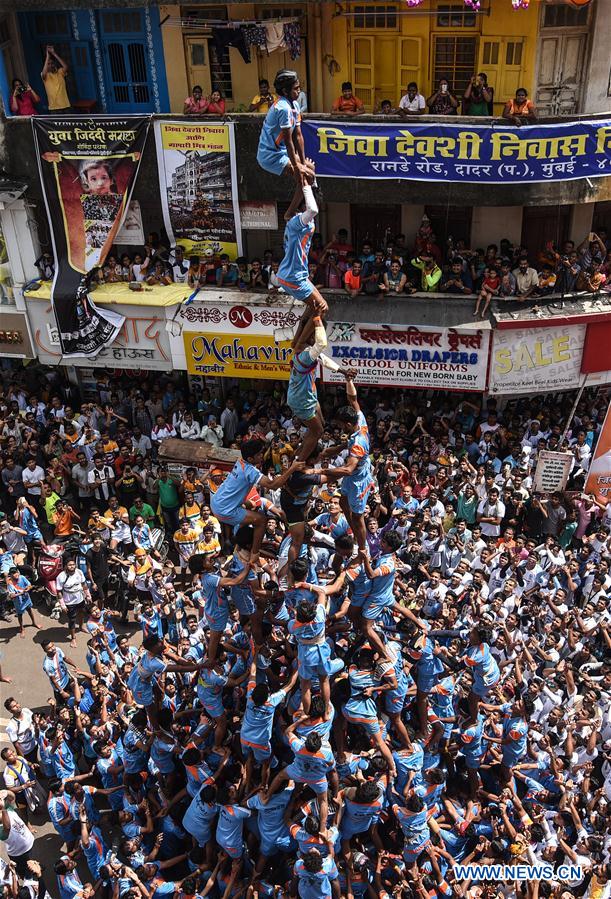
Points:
x=443, y=101
x=23, y=98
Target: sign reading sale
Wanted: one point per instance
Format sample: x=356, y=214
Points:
x=536, y=360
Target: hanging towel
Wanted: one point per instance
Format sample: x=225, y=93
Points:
x=255, y=34
x=231, y=37
x=292, y=39
x=274, y=37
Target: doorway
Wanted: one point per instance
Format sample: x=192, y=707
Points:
x=543, y=223
x=562, y=53
x=198, y=64
x=450, y=221
x=376, y=224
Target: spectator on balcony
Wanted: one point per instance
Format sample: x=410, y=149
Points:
x=527, y=279
x=373, y=274
x=159, y=277
x=339, y=243
x=194, y=275
x=196, y=103
x=53, y=75
x=23, y=98
x=591, y=279
x=264, y=100
x=443, y=101
x=478, y=98
x=366, y=254
x=302, y=101
x=520, y=110
x=385, y=108
x=258, y=277
x=547, y=281
x=331, y=270
x=353, y=281
x=215, y=103
x=458, y=280
x=412, y=103
x=394, y=280
x=591, y=249
x=139, y=267
x=178, y=265
x=430, y=272
x=226, y=273
x=347, y=103
x=567, y=272
x=508, y=286
x=490, y=288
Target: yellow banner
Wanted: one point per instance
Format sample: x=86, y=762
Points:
x=233, y=356
x=197, y=136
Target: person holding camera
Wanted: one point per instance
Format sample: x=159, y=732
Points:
x=264, y=100
x=443, y=101
x=23, y=98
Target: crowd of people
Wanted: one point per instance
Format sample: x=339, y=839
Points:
x=344, y=679
x=420, y=265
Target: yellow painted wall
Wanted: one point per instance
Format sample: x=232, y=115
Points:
x=383, y=61
x=174, y=54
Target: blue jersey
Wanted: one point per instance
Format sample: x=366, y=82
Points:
x=360, y=816
x=270, y=817
x=215, y=601
x=359, y=705
x=95, y=852
x=310, y=767
x=407, y=760
x=258, y=721
x=63, y=762
x=70, y=885
x=282, y=115
x=336, y=528
x=293, y=270
x=382, y=585
x=230, y=825
x=235, y=488
x=302, y=393
x=56, y=669
x=413, y=824
x=483, y=665
x=315, y=885
x=358, y=447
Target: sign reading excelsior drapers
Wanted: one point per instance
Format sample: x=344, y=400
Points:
x=439, y=358
x=499, y=154
x=536, y=360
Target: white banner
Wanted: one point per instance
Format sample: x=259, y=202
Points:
x=536, y=360
x=437, y=358
x=552, y=471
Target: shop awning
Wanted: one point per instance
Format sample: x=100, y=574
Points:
x=170, y=295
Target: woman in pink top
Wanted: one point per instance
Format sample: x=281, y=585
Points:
x=196, y=104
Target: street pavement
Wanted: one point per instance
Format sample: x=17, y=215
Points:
x=22, y=661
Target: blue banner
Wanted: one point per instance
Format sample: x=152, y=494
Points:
x=493, y=154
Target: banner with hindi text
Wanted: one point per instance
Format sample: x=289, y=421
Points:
x=483, y=154
x=87, y=169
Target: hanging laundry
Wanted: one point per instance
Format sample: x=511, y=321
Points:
x=292, y=39
x=255, y=35
x=274, y=37
x=231, y=37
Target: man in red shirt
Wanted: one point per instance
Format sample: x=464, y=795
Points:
x=353, y=279
x=347, y=104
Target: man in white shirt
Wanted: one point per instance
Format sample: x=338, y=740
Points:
x=101, y=479
x=490, y=513
x=412, y=103
x=189, y=428
x=20, y=730
x=73, y=588
x=33, y=476
x=162, y=430
x=212, y=432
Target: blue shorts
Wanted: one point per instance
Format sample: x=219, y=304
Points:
x=375, y=605
x=301, y=291
x=274, y=163
x=426, y=682
x=213, y=704
x=243, y=600
x=270, y=847
x=218, y=621
x=481, y=689
x=233, y=851
x=394, y=702
x=260, y=754
x=412, y=851
x=472, y=760
x=358, y=601
x=21, y=603
x=304, y=411
x=319, y=786
x=314, y=661
x=371, y=725
x=234, y=518
x=356, y=492
x=511, y=757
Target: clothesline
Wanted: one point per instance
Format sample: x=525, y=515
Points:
x=190, y=21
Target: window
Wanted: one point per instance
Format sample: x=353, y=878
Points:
x=281, y=12
x=565, y=16
x=374, y=16
x=121, y=22
x=513, y=53
x=220, y=70
x=454, y=59
x=200, y=14
x=490, y=56
x=454, y=15
x=51, y=23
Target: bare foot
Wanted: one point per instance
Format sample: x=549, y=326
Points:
x=6, y=680
x=22, y=634
x=37, y=626
x=73, y=643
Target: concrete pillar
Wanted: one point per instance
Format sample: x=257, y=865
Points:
x=581, y=221
x=5, y=87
